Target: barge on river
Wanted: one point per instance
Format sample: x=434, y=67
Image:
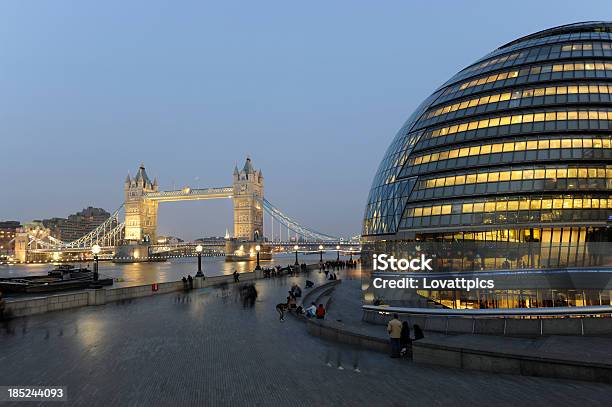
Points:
x=64, y=277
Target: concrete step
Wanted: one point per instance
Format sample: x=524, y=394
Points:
x=325, y=300
x=579, y=358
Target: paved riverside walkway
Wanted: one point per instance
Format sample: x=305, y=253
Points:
x=346, y=306
x=204, y=348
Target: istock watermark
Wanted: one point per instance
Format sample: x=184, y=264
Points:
x=384, y=262
x=388, y=263
x=433, y=283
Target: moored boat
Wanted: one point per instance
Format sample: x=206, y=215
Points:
x=64, y=277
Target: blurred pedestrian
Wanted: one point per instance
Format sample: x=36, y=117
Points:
x=394, y=329
x=405, y=340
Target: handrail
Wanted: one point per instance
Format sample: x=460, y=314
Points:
x=498, y=312
x=317, y=290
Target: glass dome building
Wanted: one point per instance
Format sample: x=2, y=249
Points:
x=514, y=150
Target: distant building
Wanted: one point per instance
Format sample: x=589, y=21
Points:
x=76, y=225
x=211, y=239
x=7, y=234
x=169, y=240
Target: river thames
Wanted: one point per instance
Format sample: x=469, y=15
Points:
x=129, y=274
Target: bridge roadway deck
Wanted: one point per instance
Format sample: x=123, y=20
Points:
x=203, y=348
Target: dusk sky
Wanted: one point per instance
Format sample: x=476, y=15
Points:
x=313, y=91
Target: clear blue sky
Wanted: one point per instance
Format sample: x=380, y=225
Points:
x=313, y=91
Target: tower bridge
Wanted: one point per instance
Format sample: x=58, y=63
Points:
x=138, y=232
x=142, y=198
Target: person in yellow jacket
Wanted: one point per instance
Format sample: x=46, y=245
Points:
x=394, y=328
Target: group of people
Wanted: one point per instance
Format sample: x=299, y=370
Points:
x=337, y=265
x=315, y=312
x=187, y=282
x=330, y=275
x=400, y=338
x=291, y=270
x=291, y=304
x=311, y=312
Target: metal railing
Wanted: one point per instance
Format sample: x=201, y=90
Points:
x=497, y=312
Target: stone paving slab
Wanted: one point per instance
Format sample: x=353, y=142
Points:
x=345, y=307
x=204, y=348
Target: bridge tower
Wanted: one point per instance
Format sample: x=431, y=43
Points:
x=22, y=241
x=140, y=213
x=248, y=207
x=21, y=246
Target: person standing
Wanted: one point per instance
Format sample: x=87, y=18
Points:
x=185, y=286
x=405, y=340
x=280, y=308
x=394, y=329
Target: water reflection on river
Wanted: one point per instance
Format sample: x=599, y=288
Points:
x=171, y=270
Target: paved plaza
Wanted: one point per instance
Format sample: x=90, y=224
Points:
x=204, y=348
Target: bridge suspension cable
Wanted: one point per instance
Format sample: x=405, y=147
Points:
x=293, y=225
x=108, y=233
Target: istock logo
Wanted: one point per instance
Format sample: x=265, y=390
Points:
x=384, y=262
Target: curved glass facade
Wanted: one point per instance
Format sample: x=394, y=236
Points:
x=516, y=148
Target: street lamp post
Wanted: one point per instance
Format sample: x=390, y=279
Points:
x=257, y=249
x=321, y=253
x=95, y=249
x=296, y=247
x=337, y=253
x=199, y=249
